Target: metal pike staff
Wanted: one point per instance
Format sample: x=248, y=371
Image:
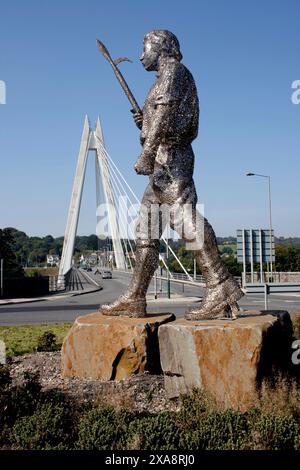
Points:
x=119, y=75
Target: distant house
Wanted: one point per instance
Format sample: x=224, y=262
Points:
x=89, y=259
x=53, y=260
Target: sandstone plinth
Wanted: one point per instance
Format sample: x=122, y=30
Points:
x=112, y=348
x=226, y=358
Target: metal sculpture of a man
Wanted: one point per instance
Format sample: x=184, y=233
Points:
x=169, y=124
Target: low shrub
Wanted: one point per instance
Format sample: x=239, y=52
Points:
x=46, y=428
x=47, y=342
x=33, y=419
x=104, y=429
x=155, y=432
x=194, y=405
x=20, y=400
x=271, y=432
x=227, y=430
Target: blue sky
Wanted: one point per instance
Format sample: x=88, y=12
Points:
x=243, y=56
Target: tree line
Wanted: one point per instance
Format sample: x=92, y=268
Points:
x=20, y=250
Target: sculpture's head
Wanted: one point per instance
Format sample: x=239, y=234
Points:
x=159, y=44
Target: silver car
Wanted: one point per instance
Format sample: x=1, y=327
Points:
x=106, y=275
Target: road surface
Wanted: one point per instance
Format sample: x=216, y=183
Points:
x=66, y=309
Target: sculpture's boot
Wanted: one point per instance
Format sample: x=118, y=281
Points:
x=222, y=291
x=133, y=302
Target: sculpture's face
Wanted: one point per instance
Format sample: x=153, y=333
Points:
x=150, y=56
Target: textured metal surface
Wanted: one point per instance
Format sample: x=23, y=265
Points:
x=169, y=124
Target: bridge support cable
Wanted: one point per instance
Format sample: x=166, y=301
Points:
x=123, y=226
x=97, y=144
x=121, y=188
x=123, y=220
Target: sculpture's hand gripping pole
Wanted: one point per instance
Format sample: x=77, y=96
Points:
x=119, y=75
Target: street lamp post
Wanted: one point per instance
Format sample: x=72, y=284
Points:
x=270, y=216
x=1, y=277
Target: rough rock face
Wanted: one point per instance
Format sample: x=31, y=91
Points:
x=112, y=348
x=226, y=358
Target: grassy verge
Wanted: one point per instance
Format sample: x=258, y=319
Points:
x=24, y=339
x=48, y=271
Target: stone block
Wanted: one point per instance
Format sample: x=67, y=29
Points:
x=228, y=359
x=112, y=348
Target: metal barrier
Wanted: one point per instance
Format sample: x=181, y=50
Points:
x=180, y=278
x=271, y=288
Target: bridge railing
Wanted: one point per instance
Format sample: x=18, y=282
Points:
x=184, y=277
x=197, y=280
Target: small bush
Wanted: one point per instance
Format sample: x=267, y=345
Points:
x=155, y=432
x=47, y=342
x=271, y=432
x=104, y=429
x=22, y=399
x=207, y=427
x=16, y=402
x=46, y=428
x=194, y=405
x=226, y=430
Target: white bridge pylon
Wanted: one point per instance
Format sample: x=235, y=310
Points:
x=91, y=140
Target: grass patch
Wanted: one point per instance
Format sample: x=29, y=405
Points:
x=34, y=272
x=24, y=339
